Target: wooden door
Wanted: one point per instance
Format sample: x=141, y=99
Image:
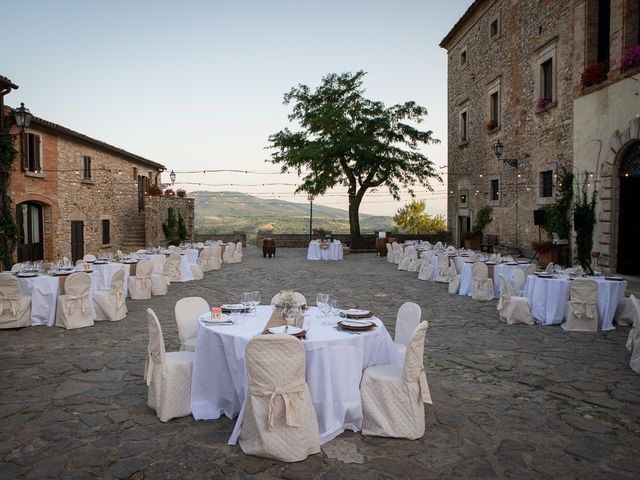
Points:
x=77, y=240
x=30, y=242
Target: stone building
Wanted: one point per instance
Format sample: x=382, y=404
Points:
x=515, y=74
x=74, y=195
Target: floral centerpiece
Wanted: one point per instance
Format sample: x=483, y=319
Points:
x=543, y=102
x=630, y=59
x=286, y=300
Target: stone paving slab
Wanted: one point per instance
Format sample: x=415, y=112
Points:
x=509, y=402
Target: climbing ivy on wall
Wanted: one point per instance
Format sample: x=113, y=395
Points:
x=8, y=226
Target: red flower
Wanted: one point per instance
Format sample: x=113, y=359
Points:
x=594, y=74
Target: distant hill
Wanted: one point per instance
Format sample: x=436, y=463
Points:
x=225, y=212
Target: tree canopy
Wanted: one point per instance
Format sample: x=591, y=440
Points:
x=345, y=139
x=412, y=219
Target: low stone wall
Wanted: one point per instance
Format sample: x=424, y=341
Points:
x=156, y=208
x=234, y=237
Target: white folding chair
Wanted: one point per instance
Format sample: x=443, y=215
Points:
x=168, y=375
x=15, y=308
x=582, y=312
x=187, y=311
x=407, y=319
x=444, y=270
x=513, y=309
x=426, y=271
x=140, y=283
x=228, y=254
x=633, y=341
x=517, y=280
x=393, y=397
x=482, y=285
x=110, y=304
x=454, y=283
x=73, y=309
x=279, y=419
x=237, y=254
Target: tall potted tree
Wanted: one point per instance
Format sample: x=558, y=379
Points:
x=473, y=239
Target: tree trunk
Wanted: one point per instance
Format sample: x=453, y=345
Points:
x=354, y=214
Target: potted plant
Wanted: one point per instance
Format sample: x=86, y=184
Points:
x=154, y=190
x=594, y=74
x=542, y=103
x=630, y=59
x=473, y=239
x=491, y=125
x=181, y=193
x=584, y=214
x=169, y=193
x=543, y=251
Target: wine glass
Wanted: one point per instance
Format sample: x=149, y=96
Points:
x=255, y=301
x=325, y=308
x=333, y=308
x=247, y=302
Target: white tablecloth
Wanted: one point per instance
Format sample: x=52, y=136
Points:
x=101, y=279
x=507, y=271
x=548, y=298
x=466, y=279
x=185, y=267
x=334, y=252
x=335, y=361
x=44, y=291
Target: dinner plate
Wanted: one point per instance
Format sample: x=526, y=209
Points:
x=26, y=274
x=522, y=262
x=511, y=263
x=208, y=320
x=356, y=325
x=355, y=313
x=289, y=329
x=100, y=262
x=489, y=263
x=544, y=275
x=614, y=278
x=233, y=307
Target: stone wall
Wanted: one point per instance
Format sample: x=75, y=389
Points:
x=509, y=64
x=233, y=237
x=156, y=212
x=365, y=242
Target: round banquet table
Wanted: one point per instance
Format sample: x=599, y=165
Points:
x=101, y=278
x=335, y=361
x=548, y=298
x=316, y=252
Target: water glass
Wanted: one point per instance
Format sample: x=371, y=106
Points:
x=255, y=301
x=247, y=302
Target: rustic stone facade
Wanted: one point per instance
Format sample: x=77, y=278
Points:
x=79, y=179
x=156, y=213
x=497, y=50
x=583, y=129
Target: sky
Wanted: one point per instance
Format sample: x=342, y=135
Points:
x=198, y=85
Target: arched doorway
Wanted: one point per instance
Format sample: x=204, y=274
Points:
x=628, y=224
x=30, y=241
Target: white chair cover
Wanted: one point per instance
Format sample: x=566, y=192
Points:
x=140, y=284
x=16, y=267
x=389, y=253
x=89, y=258
x=454, y=283
x=625, y=313
x=444, y=270
x=473, y=257
x=279, y=419
x=158, y=263
x=73, y=310
x=196, y=269
x=15, y=308
x=549, y=268
x=512, y=309
x=213, y=262
x=397, y=252
x=582, y=312
x=393, y=398
x=172, y=267
x=168, y=375
x=237, y=255
x=530, y=270
x=408, y=255
x=482, y=285
x=426, y=271
x=633, y=342
x=111, y=305
x=517, y=280
x=228, y=254
x=299, y=298
x=407, y=319
x=187, y=311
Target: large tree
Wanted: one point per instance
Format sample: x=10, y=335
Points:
x=346, y=139
x=412, y=219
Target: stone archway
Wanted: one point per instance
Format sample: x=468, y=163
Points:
x=609, y=195
x=628, y=255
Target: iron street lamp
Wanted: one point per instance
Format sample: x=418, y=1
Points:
x=23, y=121
x=310, y=197
x=498, y=149
x=172, y=176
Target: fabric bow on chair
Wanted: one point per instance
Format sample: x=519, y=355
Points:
x=419, y=375
x=292, y=417
x=82, y=298
x=583, y=309
x=11, y=304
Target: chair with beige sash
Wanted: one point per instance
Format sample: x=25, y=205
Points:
x=454, y=283
x=625, y=313
x=140, y=283
x=397, y=252
x=482, y=285
x=237, y=254
x=426, y=271
x=110, y=304
x=205, y=260
x=16, y=267
x=512, y=309
x=228, y=253
x=407, y=319
x=389, y=253
x=408, y=254
x=73, y=310
x=443, y=274
x=393, y=397
x=168, y=375
x=187, y=311
x=15, y=308
x=279, y=419
x=196, y=268
x=172, y=267
x=633, y=341
x=89, y=258
x=517, y=281
x=582, y=312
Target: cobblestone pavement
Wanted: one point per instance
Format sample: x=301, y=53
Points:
x=509, y=402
